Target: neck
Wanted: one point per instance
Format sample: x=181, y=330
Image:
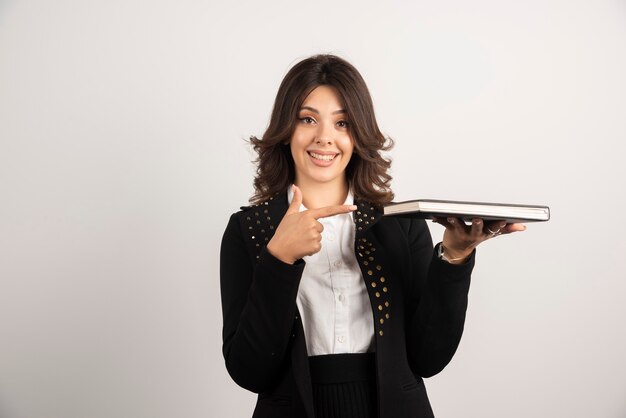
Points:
x=319, y=195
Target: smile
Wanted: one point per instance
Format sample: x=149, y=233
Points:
x=322, y=157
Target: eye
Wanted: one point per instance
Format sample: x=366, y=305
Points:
x=343, y=124
x=307, y=119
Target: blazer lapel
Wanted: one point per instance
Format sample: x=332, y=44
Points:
x=365, y=217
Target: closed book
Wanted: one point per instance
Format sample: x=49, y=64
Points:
x=430, y=208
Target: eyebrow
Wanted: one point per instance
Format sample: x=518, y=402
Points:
x=336, y=112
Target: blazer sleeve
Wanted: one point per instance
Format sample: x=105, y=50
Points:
x=437, y=303
x=258, y=307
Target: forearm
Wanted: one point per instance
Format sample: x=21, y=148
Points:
x=258, y=305
x=256, y=349
x=436, y=326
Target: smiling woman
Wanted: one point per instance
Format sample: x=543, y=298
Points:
x=331, y=310
x=321, y=145
x=316, y=93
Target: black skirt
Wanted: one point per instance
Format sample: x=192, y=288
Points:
x=344, y=385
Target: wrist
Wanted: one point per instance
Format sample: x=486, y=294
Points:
x=453, y=256
x=276, y=253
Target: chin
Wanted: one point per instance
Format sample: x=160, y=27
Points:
x=326, y=178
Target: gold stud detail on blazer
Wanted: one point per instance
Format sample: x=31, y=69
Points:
x=366, y=255
x=259, y=225
x=380, y=332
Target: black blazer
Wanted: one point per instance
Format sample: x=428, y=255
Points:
x=418, y=304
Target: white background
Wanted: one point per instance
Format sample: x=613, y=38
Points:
x=122, y=154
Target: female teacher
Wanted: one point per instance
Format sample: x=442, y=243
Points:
x=331, y=310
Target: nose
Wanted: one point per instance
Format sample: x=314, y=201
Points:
x=324, y=135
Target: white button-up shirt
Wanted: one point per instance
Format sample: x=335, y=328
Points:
x=332, y=298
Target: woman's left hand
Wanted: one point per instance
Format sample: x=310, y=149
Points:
x=459, y=240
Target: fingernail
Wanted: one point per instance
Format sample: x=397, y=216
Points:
x=477, y=221
x=451, y=220
x=352, y=207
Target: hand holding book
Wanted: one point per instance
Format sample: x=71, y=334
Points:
x=487, y=221
x=459, y=239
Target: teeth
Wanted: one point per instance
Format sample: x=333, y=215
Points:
x=322, y=157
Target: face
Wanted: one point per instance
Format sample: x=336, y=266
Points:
x=321, y=144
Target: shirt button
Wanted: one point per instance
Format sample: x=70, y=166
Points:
x=337, y=263
x=340, y=339
x=330, y=237
x=341, y=297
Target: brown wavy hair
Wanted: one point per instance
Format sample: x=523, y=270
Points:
x=367, y=171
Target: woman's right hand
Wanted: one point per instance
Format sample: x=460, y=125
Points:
x=299, y=233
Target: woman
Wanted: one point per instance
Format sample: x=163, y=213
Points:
x=331, y=310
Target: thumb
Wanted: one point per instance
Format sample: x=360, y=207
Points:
x=296, y=201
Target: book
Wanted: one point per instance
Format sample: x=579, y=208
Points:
x=430, y=208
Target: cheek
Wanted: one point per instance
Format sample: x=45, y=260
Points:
x=295, y=144
x=347, y=146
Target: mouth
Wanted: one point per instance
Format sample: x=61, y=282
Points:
x=322, y=157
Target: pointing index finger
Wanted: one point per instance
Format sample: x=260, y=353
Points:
x=331, y=211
